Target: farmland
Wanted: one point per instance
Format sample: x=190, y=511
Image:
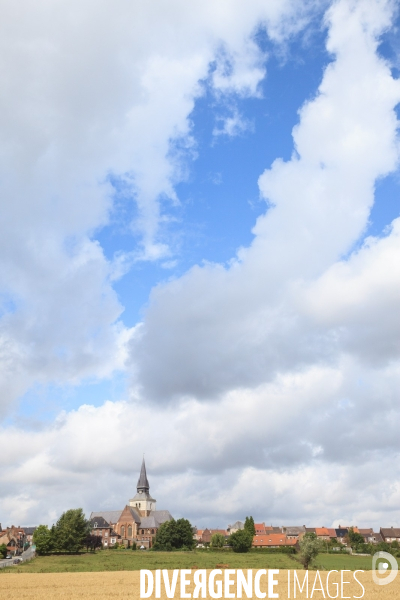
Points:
x=113, y=560
x=124, y=585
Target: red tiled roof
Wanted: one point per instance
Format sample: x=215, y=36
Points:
x=325, y=531
x=272, y=539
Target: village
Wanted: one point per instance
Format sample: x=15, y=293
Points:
x=137, y=524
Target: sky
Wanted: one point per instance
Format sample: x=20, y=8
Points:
x=200, y=259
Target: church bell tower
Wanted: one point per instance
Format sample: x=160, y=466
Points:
x=142, y=501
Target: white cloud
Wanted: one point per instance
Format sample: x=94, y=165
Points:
x=90, y=89
x=292, y=450
x=238, y=326
x=232, y=125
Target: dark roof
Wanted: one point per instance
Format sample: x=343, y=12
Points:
x=134, y=513
x=294, y=530
x=29, y=530
x=310, y=530
x=149, y=522
x=341, y=532
x=390, y=532
x=111, y=516
x=143, y=483
x=156, y=518
x=99, y=522
x=161, y=515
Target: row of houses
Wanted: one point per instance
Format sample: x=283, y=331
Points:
x=274, y=537
x=16, y=538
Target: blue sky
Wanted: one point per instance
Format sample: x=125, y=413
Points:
x=200, y=237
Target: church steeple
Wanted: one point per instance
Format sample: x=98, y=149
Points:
x=143, y=483
x=142, y=501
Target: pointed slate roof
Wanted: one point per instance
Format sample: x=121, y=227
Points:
x=143, y=483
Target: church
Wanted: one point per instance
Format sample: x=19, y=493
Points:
x=137, y=523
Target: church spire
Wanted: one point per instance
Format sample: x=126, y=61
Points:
x=143, y=484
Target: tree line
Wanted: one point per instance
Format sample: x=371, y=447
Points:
x=70, y=534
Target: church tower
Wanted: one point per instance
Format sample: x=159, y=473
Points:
x=142, y=501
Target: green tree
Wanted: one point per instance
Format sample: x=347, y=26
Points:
x=3, y=550
x=43, y=540
x=71, y=530
x=249, y=526
x=310, y=546
x=355, y=539
x=217, y=540
x=241, y=541
x=382, y=547
x=174, y=535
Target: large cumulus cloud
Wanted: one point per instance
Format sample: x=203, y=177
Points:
x=91, y=93
x=219, y=327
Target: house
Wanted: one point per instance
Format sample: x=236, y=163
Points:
x=235, y=527
x=100, y=527
x=271, y=529
x=198, y=535
x=208, y=533
x=294, y=532
x=28, y=533
x=272, y=540
x=390, y=534
x=325, y=533
x=370, y=536
x=260, y=528
x=138, y=522
x=341, y=533
x=13, y=538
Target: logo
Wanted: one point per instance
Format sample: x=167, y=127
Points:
x=381, y=573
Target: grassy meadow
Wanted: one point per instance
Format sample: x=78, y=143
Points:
x=127, y=560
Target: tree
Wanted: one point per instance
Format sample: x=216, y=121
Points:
x=174, y=535
x=43, y=540
x=383, y=547
x=310, y=546
x=3, y=550
x=249, y=526
x=355, y=539
x=217, y=540
x=241, y=541
x=93, y=542
x=71, y=530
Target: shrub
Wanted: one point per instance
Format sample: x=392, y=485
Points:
x=241, y=541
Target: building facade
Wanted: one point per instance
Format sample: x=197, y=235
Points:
x=138, y=522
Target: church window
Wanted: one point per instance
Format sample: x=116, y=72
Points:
x=130, y=531
x=123, y=531
x=142, y=531
x=152, y=531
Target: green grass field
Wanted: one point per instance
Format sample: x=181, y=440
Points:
x=126, y=560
